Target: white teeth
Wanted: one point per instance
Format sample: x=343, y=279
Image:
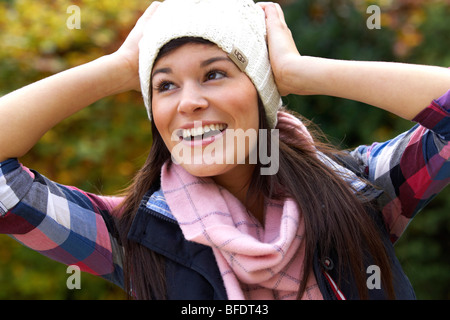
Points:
x=198, y=131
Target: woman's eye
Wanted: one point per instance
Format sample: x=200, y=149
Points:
x=164, y=86
x=214, y=75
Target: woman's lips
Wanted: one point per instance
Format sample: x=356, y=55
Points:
x=201, y=133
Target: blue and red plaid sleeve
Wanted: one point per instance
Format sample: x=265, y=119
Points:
x=411, y=168
x=63, y=223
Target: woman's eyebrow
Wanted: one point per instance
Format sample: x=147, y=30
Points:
x=214, y=59
x=161, y=70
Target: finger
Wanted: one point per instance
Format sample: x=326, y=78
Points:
x=263, y=5
x=151, y=9
x=280, y=14
x=149, y=12
x=137, y=31
x=274, y=13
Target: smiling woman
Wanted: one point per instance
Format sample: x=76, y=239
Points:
x=205, y=88
x=187, y=228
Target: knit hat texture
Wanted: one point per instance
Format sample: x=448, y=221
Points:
x=236, y=26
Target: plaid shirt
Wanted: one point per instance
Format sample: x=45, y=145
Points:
x=74, y=227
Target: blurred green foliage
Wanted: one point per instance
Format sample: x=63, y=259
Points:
x=100, y=148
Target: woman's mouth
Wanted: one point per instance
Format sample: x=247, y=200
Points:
x=204, y=132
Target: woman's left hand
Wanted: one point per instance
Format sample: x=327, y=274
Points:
x=282, y=49
x=402, y=89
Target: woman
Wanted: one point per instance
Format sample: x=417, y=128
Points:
x=201, y=220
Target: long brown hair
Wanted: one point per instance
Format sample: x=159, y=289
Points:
x=334, y=216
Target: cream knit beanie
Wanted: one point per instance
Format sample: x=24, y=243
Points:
x=236, y=26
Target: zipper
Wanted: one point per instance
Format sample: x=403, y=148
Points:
x=159, y=215
x=332, y=288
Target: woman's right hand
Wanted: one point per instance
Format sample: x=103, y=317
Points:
x=128, y=53
x=29, y=112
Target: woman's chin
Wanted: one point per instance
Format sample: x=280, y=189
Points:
x=206, y=170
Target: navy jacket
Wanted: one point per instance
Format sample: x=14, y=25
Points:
x=192, y=272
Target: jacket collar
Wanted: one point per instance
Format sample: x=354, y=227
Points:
x=162, y=234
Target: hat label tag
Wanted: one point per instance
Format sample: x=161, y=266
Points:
x=238, y=58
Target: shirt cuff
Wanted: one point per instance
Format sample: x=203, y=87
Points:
x=436, y=116
x=15, y=181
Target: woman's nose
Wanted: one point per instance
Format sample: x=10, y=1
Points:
x=192, y=99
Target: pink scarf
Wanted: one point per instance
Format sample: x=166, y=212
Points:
x=256, y=261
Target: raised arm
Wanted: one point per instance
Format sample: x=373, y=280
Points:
x=402, y=89
x=28, y=113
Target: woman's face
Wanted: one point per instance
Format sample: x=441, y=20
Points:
x=204, y=106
